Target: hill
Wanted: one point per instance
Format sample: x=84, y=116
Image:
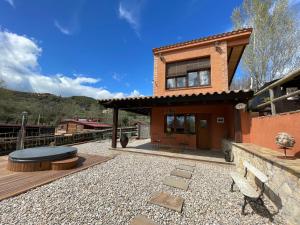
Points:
x=51, y=108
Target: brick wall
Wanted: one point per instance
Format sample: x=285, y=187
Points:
x=263, y=130
x=219, y=70
x=218, y=131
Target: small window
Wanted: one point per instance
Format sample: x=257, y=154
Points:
x=180, y=82
x=171, y=83
x=190, y=124
x=204, y=77
x=170, y=123
x=203, y=123
x=193, y=79
x=180, y=124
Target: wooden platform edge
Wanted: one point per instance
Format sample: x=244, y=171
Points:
x=56, y=178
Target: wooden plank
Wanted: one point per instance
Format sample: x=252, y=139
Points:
x=19, y=182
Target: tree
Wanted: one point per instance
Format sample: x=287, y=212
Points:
x=274, y=48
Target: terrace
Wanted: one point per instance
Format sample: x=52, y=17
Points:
x=118, y=190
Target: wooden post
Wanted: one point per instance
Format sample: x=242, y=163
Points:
x=273, y=108
x=237, y=126
x=114, y=128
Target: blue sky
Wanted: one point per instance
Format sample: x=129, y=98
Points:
x=97, y=48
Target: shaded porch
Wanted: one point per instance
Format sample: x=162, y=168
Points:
x=195, y=104
x=145, y=147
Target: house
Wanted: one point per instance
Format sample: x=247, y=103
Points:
x=192, y=105
x=71, y=126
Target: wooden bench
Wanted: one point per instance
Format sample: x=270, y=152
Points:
x=250, y=194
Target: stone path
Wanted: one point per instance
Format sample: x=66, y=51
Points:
x=176, y=182
x=168, y=201
x=178, y=179
x=141, y=220
x=185, y=167
x=181, y=173
x=189, y=163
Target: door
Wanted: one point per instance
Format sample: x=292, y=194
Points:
x=203, y=131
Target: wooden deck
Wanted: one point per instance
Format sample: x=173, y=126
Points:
x=15, y=183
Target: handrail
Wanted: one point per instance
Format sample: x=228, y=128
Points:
x=288, y=77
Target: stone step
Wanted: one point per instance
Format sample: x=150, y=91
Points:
x=184, y=167
x=181, y=173
x=141, y=220
x=167, y=200
x=176, y=182
x=188, y=163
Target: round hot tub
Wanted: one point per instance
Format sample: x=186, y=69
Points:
x=41, y=158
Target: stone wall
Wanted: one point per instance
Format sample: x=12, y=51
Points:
x=283, y=188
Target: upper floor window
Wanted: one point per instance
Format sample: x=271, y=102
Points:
x=189, y=73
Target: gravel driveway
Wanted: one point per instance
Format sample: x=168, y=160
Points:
x=116, y=191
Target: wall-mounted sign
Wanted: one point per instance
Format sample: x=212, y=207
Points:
x=220, y=119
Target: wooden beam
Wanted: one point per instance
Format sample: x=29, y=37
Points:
x=114, y=128
x=273, y=108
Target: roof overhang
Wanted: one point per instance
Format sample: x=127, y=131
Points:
x=143, y=105
x=236, y=43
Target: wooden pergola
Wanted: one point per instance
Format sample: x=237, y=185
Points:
x=143, y=105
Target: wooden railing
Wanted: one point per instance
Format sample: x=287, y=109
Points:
x=270, y=88
x=8, y=144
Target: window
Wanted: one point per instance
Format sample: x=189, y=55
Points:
x=190, y=122
x=180, y=82
x=204, y=77
x=170, y=123
x=189, y=73
x=181, y=123
x=171, y=83
x=193, y=79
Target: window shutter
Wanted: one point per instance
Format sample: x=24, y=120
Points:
x=181, y=68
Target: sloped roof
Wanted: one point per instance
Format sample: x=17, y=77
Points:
x=150, y=101
x=204, y=39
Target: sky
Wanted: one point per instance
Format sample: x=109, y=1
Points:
x=98, y=48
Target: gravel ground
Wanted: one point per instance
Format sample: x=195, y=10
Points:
x=116, y=191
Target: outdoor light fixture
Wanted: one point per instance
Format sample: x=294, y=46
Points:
x=162, y=58
x=217, y=47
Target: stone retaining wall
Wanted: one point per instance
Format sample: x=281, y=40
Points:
x=283, y=188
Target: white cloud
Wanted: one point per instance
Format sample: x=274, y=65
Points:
x=135, y=93
x=11, y=2
x=62, y=29
x=130, y=11
x=20, y=70
x=116, y=77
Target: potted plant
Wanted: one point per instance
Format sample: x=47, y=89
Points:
x=124, y=140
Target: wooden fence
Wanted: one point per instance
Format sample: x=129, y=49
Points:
x=8, y=142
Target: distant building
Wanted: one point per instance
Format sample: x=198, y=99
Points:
x=71, y=126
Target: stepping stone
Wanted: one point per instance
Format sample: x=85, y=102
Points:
x=141, y=220
x=168, y=201
x=184, y=167
x=181, y=173
x=189, y=163
x=176, y=182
